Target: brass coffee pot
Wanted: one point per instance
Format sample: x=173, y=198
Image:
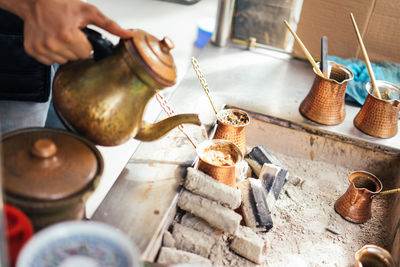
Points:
x=104, y=98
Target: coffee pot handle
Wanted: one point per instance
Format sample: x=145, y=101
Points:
x=101, y=47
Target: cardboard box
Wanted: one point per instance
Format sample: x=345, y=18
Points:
x=377, y=20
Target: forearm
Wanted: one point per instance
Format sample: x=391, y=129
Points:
x=18, y=7
x=52, y=28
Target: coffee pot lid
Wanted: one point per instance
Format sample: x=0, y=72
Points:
x=155, y=54
x=48, y=164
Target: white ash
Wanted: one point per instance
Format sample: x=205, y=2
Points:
x=175, y=256
x=216, y=215
x=249, y=245
x=168, y=240
x=196, y=223
x=206, y=186
x=222, y=256
x=191, y=240
x=303, y=213
x=246, y=207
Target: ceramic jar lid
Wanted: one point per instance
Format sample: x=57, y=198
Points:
x=156, y=55
x=48, y=164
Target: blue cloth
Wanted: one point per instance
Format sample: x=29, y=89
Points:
x=355, y=91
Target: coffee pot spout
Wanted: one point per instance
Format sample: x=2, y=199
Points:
x=150, y=132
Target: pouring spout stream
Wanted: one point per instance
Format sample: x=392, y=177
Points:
x=149, y=132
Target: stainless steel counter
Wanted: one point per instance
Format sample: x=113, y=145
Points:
x=141, y=202
x=263, y=81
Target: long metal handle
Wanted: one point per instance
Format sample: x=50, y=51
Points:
x=203, y=82
x=392, y=191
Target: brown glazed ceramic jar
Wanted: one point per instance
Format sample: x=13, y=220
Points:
x=49, y=174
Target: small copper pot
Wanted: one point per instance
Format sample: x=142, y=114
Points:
x=355, y=204
x=372, y=255
x=379, y=117
x=324, y=103
x=223, y=174
x=49, y=174
x=236, y=133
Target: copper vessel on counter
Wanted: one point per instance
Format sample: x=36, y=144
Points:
x=49, y=174
x=224, y=173
x=232, y=130
x=104, y=99
x=324, y=103
x=355, y=204
x=379, y=117
x=373, y=256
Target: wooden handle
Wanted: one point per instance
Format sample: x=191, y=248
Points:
x=366, y=58
x=302, y=46
x=324, y=56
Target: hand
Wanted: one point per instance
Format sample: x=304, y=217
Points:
x=52, y=29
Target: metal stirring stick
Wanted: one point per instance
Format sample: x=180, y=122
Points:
x=324, y=56
x=203, y=81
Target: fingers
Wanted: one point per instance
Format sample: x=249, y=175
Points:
x=60, y=49
x=40, y=53
x=96, y=17
x=54, y=46
x=51, y=36
x=81, y=46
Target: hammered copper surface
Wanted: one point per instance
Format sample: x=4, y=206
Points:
x=155, y=55
x=378, y=117
x=234, y=133
x=223, y=174
x=355, y=204
x=104, y=100
x=324, y=103
x=373, y=256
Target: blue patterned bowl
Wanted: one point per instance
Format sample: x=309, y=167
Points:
x=56, y=245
